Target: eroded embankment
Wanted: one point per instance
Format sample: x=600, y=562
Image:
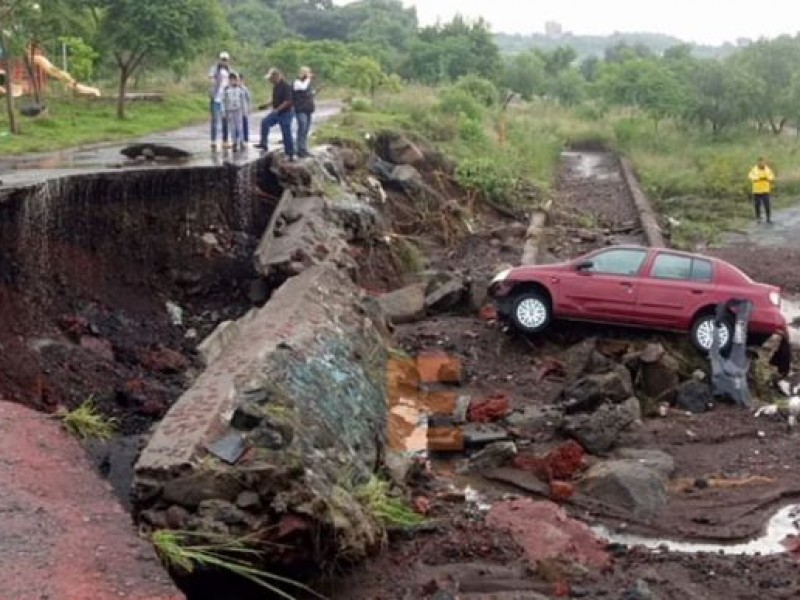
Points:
x=87, y=264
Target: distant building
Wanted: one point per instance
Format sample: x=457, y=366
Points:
x=743, y=42
x=552, y=29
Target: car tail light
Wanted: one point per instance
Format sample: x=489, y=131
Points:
x=775, y=298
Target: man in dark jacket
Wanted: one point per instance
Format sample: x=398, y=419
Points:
x=281, y=113
x=303, y=99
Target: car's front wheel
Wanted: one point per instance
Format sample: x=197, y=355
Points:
x=531, y=312
x=702, y=333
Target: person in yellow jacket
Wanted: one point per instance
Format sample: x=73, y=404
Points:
x=762, y=177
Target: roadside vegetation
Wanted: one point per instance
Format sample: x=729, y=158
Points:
x=186, y=551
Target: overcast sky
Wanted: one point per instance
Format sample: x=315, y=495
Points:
x=701, y=21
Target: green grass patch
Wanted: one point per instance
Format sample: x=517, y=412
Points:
x=391, y=511
x=86, y=422
x=187, y=550
x=77, y=121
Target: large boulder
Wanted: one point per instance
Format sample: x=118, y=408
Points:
x=290, y=411
x=660, y=377
x=599, y=431
x=628, y=484
x=591, y=391
x=405, y=305
x=399, y=150
x=311, y=230
x=694, y=396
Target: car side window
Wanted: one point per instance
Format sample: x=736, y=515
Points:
x=618, y=262
x=702, y=270
x=672, y=266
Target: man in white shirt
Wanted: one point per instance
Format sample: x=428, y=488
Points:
x=303, y=100
x=218, y=77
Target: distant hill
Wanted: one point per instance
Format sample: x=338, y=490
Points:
x=595, y=45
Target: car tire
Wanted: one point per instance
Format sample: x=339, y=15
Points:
x=530, y=312
x=702, y=330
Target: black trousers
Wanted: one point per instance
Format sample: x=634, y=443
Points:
x=760, y=200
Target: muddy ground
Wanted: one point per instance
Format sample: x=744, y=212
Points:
x=750, y=464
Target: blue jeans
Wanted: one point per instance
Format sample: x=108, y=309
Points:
x=218, y=120
x=246, y=128
x=303, y=127
x=284, y=120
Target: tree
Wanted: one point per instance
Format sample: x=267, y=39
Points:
x=569, y=87
x=590, y=68
x=524, y=74
x=15, y=18
x=771, y=66
x=721, y=95
x=256, y=23
x=446, y=52
x=363, y=74
x=557, y=60
x=155, y=30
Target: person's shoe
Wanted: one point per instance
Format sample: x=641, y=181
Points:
x=214, y=146
x=227, y=145
x=260, y=146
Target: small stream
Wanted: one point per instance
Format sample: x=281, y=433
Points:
x=782, y=525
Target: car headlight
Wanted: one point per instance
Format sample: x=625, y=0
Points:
x=501, y=276
x=775, y=298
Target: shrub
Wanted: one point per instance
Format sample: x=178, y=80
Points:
x=487, y=176
x=458, y=102
x=471, y=131
x=480, y=89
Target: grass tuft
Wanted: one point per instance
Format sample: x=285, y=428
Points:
x=392, y=512
x=187, y=550
x=86, y=422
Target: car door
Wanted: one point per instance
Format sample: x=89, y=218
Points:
x=673, y=289
x=605, y=288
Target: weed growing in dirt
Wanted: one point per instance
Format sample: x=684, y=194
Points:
x=86, y=422
x=187, y=550
x=391, y=511
x=408, y=255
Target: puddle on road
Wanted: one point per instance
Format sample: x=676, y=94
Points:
x=591, y=165
x=783, y=524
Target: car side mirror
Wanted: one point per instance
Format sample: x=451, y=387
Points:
x=584, y=266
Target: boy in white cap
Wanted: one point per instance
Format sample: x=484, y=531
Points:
x=234, y=100
x=218, y=76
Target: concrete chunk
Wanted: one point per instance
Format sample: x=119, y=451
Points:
x=312, y=363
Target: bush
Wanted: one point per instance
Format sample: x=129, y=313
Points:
x=471, y=131
x=360, y=105
x=480, y=89
x=487, y=176
x=458, y=102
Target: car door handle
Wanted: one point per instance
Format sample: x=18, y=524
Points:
x=697, y=292
x=626, y=284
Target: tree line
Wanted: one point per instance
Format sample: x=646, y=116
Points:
x=372, y=44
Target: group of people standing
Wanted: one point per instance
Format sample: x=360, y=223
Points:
x=231, y=104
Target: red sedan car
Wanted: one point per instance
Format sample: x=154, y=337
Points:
x=642, y=287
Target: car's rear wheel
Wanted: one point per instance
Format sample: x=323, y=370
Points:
x=531, y=312
x=702, y=333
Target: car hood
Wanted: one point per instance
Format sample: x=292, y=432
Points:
x=532, y=271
